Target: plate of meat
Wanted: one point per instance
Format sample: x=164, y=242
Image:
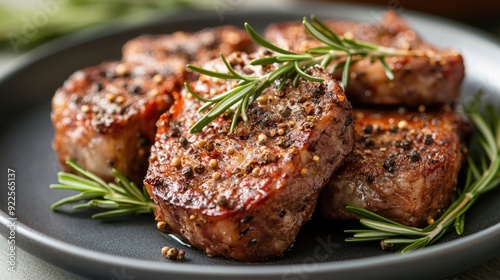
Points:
x=262, y=198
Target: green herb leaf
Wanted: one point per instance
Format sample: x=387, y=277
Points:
x=264, y=60
x=481, y=178
x=236, y=74
x=287, y=65
x=327, y=30
x=321, y=36
x=211, y=73
x=305, y=75
x=345, y=72
x=263, y=42
x=124, y=197
x=235, y=95
x=387, y=69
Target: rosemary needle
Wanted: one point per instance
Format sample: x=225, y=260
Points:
x=483, y=175
x=125, y=198
x=337, y=52
x=118, y=199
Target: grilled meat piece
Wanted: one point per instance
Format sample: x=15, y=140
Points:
x=404, y=165
x=246, y=195
x=104, y=117
x=433, y=79
x=170, y=53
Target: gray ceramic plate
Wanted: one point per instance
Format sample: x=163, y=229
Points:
x=123, y=249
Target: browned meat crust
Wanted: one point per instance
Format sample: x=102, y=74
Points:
x=418, y=81
x=170, y=53
x=246, y=195
x=404, y=165
x=104, y=117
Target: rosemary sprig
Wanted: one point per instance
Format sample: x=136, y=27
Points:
x=338, y=52
x=124, y=198
x=483, y=175
x=120, y=199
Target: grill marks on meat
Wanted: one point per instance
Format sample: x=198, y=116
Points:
x=418, y=81
x=246, y=196
x=104, y=116
x=106, y=120
x=404, y=165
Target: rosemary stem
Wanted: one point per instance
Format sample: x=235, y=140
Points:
x=122, y=198
x=485, y=180
x=382, y=52
x=466, y=198
x=483, y=175
x=290, y=66
x=315, y=60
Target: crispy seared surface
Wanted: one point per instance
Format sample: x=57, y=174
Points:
x=404, y=165
x=170, y=53
x=104, y=117
x=239, y=196
x=434, y=79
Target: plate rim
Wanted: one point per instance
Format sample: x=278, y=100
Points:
x=473, y=241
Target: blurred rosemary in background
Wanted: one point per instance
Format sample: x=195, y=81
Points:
x=23, y=27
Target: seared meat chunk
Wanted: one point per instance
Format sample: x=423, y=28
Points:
x=246, y=195
x=404, y=165
x=104, y=117
x=170, y=53
x=431, y=79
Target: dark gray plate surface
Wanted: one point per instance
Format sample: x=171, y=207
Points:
x=126, y=248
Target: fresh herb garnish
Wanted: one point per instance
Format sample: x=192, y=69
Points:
x=338, y=52
x=120, y=199
x=482, y=176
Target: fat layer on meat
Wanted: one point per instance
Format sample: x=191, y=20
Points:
x=246, y=195
x=404, y=165
x=432, y=79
